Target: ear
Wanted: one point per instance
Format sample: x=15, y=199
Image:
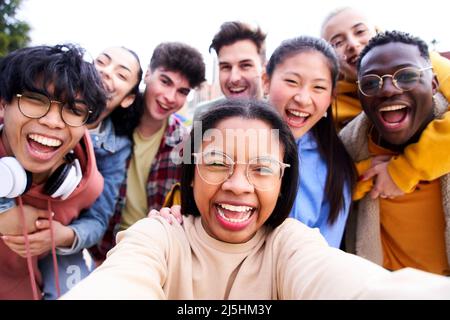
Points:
x=265, y=83
x=435, y=84
x=2, y=104
x=127, y=101
x=334, y=93
x=148, y=73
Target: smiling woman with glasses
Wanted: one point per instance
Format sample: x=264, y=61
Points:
x=36, y=105
x=236, y=241
x=404, y=79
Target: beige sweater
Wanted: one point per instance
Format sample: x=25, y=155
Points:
x=363, y=235
x=155, y=260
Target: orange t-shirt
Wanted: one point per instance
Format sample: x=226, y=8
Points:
x=413, y=227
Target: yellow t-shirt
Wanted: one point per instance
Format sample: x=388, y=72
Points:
x=413, y=227
x=144, y=152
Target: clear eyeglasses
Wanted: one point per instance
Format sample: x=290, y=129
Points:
x=404, y=79
x=35, y=105
x=215, y=167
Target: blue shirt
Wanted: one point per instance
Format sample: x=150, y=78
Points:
x=311, y=206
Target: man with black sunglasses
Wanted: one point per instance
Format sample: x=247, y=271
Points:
x=399, y=95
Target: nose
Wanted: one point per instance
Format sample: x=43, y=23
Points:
x=235, y=75
x=352, y=43
x=53, y=117
x=170, y=96
x=303, y=97
x=238, y=182
x=388, y=87
x=105, y=70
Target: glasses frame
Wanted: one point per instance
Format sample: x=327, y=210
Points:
x=283, y=166
x=50, y=102
x=394, y=81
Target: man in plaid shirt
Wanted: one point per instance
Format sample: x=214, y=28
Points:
x=175, y=68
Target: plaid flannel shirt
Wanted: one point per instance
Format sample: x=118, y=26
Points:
x=164, y=173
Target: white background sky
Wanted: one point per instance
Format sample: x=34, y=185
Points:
x=142, y=24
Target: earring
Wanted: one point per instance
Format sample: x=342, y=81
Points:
x=325, y=115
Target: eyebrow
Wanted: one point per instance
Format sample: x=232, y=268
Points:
x=120, y=65
x=167, y=78
x=397, y=67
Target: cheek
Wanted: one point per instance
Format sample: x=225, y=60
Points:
x=203, y=193
x=278, y=98
x=268, y=201
x=76, y=134
x=181, y=100
x=323, y=102
x=223, y=77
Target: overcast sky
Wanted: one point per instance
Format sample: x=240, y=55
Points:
x=142, y=24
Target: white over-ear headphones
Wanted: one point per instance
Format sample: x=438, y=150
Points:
x=13, y=177
x=16, y=180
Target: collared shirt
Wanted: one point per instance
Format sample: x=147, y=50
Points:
x=311, y=206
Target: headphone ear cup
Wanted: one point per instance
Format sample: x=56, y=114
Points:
x=64, y=180
x=15, y=180
x=56, y=179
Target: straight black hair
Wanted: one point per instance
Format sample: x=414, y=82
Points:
x=340, y=167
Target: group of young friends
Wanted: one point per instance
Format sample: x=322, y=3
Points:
x=271, y=181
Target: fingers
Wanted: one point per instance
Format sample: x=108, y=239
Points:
x=164, y=212
x=176, y=212
x=45, y=214
x=374, y=193
x=369, y=174
x=14, y=240
x=152, y=213
x=42, y=224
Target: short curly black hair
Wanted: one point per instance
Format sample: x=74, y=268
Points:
x=182, y=58
x=62, y=67
x=394, y=36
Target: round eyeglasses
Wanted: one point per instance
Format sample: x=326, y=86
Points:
x=404, y=79
x=215, y=167
x=35, y=105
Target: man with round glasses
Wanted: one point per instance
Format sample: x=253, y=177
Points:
x=399, y=96
x=48, y=173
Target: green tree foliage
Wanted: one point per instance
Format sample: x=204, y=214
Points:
x=13, y=32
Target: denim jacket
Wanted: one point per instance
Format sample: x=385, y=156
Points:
x=311, y=206
x=111, y=153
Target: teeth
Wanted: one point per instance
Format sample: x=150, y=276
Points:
x=45, y=141
x=392, y=108
x=163, y=106
x=235, y=208
x=245, y=217
x=237, y=90
x=299, y=113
